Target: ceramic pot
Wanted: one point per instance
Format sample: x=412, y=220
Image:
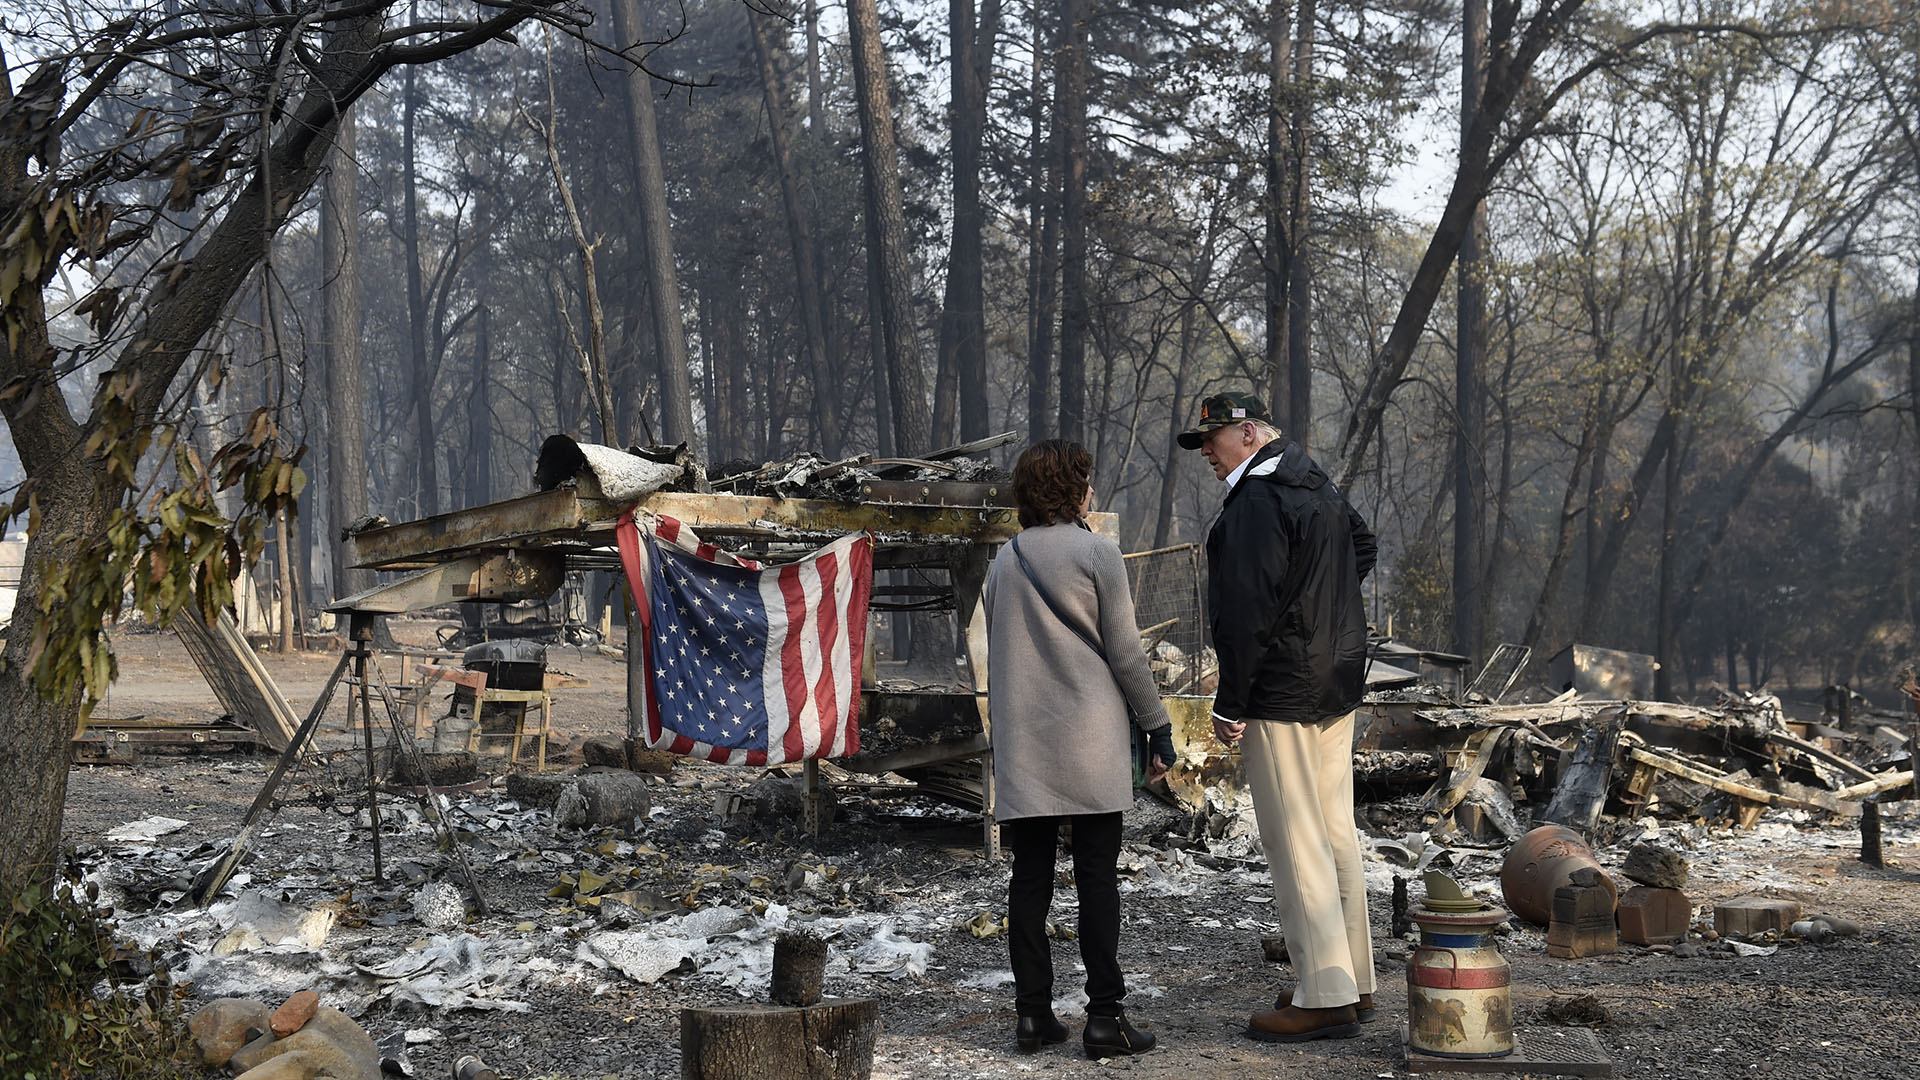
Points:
x=1542, y=861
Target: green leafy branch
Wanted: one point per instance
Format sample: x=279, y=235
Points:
x=159, y=550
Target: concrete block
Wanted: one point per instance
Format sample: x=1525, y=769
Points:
x=1650, y=916
x=1582, y=923
x=1749, y=916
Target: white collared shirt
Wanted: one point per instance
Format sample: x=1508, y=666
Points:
x=1239, y=471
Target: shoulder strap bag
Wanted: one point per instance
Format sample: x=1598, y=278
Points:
x=1047, y=599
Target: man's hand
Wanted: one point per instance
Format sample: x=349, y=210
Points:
x=1228, y=731
x=1157, y=770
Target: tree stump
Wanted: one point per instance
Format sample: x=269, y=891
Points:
x=830, y=1041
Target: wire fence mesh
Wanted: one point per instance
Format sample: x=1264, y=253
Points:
x=1167, y=605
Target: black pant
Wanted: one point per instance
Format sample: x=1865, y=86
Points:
x=1096, y=851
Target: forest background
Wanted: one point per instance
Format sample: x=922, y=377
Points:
x=1606, y=315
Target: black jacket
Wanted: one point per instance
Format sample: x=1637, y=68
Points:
x=1284, y=566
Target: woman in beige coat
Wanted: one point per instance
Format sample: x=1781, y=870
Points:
x=1066, y=673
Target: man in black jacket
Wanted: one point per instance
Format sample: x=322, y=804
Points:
x=1284, y=564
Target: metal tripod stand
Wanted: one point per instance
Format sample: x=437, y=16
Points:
x=357, y=655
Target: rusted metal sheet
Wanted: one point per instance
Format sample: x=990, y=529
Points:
x=563, y=517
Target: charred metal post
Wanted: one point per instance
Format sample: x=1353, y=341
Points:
x=360, y=639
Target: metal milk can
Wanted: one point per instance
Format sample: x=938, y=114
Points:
x=1459, y=988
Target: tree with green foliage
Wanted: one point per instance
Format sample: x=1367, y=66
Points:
x=133, y=213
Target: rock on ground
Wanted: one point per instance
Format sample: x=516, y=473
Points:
x=610, y=798
x=1660, y=867
x=222, y=1027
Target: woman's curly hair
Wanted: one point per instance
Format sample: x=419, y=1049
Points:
x=1049, y=481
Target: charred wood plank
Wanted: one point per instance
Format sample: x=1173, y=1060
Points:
x=1582, y=790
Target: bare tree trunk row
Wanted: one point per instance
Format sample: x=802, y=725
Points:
x=893, y=304
x=656, y=237
x=811, y=300
x=1070, y=136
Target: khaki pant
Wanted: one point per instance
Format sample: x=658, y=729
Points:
x=1301, y=779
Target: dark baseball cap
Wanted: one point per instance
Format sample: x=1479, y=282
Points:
x=1219, y=411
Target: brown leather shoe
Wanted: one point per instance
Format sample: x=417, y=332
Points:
x=1295, y=1024
x=1363, y=1011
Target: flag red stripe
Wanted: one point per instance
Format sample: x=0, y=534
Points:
x=627, y=538
x=860, y=560
x=823, y=690
x=793, y=673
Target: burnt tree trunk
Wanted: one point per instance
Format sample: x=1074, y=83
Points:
x=893, y=306
x=656, y=236
x=1511, y=57
x=35, y=731
x=1620, y=520
x=1182, y=373
x=1070, y=135
x=479, y=478
x=1042, y=247
x=1570, y=510
x=593, y=361
x=419, y=372
x=1277, y=265
x=963, y=325
x=1469, y=465
x=816, y=84
x=1299, y=407
x=812, y=301
x=346, y=400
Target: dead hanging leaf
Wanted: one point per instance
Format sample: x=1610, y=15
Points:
x=204, y=125
x=208, y=174
x=180, y=193
x=101, y=305
x=260, y=427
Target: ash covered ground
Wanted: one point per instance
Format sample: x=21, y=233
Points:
x=553, y=984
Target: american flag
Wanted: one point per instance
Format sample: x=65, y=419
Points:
x=749, y=665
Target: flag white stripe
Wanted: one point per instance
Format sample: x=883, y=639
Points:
x=843, y=672
x=773, y=687
x=809, y=632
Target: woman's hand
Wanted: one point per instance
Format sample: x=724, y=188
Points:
x=1161, y=754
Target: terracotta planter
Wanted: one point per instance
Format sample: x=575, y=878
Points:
x=1542, y=861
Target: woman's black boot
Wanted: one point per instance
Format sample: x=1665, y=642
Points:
x=1032, y=1031
x=1112, y=1036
